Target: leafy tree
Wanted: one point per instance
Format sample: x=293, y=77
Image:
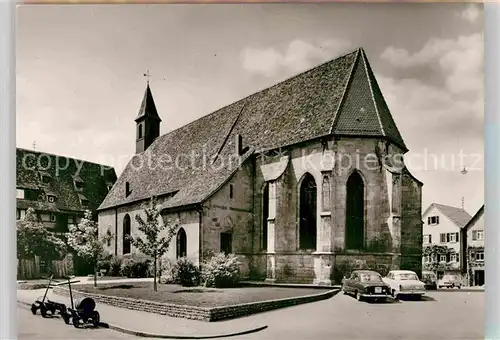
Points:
x=153, y=244
x=33, y=239
x=84, y=239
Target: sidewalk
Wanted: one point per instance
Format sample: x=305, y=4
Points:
x=155, y=325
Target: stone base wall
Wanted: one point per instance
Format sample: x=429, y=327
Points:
x=198, y=313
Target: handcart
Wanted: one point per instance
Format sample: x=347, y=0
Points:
x=45, y=305
x=82, y=312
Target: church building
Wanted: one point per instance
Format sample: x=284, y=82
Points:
x=301, y=181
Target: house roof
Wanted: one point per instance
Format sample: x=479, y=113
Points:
x=31, y=164
x=474, y=218
x=458, y=216
x=340, y=97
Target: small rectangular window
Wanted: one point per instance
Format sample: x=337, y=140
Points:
x=231, y=191
x=53, y=218
x=442, y=238
x=226, y=243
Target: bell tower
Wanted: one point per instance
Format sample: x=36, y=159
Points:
x=147, y=122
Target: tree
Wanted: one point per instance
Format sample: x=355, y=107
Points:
x=33, y=239
x=153, y=244
x=84, y=239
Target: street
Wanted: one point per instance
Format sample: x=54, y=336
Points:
x=441, y=315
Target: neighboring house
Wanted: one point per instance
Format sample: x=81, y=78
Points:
x=442, y=229
x=474, y=250
x=59, y=188
x=257, y=179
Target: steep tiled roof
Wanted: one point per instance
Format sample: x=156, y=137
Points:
x=30, y=165
x=474, y=219
x=340, y=97
x=148, y=107
x=457, y=215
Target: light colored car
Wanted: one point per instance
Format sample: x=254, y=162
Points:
x=450, y=281
x=404, y=283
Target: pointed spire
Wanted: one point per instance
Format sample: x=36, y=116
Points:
x=148, y=107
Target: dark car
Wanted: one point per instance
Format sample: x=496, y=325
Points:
x=366, y=284
x=430, y=280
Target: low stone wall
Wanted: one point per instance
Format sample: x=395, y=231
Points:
x=198, y=313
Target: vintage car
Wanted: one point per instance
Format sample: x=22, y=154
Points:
x=404, y=283
x=430, y=280
x=365, y=284
x=450, y=281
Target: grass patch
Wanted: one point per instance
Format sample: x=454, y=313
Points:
x=196, y=296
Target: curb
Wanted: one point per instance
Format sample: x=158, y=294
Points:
x=164, y=336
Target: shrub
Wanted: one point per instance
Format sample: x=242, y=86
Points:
x=136, y=266
x=221, y=271
x=186, y=273
x=166, y=271
x=115, y=266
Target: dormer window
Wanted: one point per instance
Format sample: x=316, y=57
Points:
x=51, y=198
x=83, y=200
x=45, y=178
x=79, y=184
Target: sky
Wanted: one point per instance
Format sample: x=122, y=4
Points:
x=80, y=74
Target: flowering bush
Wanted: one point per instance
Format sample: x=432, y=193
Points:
x=137, y=266
x=186, y=273
x=221, y=271
x=167, y=271
x=84, y=239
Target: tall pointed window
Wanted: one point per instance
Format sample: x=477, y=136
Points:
x=308, y=212
x=140, y=131
x=181, y=243
x=265, y=215
x=126, y=234
x=355, y=212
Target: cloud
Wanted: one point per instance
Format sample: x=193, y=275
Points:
x=471, y=13
x=460, y=61
x=298, y=56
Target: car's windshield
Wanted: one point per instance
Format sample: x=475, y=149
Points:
x=370, y=278
x=406, y=276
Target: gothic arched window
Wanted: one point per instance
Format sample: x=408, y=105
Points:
x=265, y=215
x=181, y=243
x=126, y=234
x=308, y=212
x=140, y=131
x=355, y=212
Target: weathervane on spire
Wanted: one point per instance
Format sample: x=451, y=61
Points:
x=147, y=75
x=34, y=146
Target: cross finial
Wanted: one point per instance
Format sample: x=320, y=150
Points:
x=34, y=146
x=147, y=75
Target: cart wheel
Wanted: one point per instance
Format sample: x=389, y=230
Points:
x=43, y=311
x=76, y=322
x=66, y=317
x=53, y=311
x=96, y=318
x=33, y=309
